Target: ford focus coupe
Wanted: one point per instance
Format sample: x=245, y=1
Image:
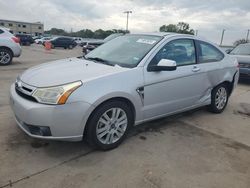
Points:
x=127, y=81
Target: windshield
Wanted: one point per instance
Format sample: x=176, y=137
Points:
x=126, y=51
x=243, y=49
x=112, y=36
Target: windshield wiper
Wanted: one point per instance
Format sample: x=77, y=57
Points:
x=100, y=60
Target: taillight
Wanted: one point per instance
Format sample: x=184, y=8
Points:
x=15, y=39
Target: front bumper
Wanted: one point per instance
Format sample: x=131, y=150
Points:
x=66, y=122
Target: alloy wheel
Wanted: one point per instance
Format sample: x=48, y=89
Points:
x=4, y=57
x=221, y=98
x=111, y=126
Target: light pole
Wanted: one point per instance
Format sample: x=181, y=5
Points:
x=196, y=32
x=222, y=36
x=127, y=12
x=247, y=34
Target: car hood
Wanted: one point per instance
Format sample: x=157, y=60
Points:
x=67, y=70
x=242, y=58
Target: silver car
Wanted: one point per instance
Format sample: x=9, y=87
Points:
x=127, y=81
x=9, y=46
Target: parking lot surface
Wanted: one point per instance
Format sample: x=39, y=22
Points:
x=193, y=149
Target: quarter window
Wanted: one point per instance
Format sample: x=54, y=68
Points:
x=208, y=53
x=181, y=50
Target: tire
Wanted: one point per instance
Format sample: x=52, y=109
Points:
x=70, y=46
x=111, y=134
x=219, y=99
x=5, y=56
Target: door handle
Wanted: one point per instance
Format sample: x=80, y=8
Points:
x=196, y=69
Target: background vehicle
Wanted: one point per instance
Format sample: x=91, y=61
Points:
x=129, y=80
x=242, y=54
x=42, y=40
x=36, y=37
x=64, y=42
x=25, y=39
x=89, y=46
x=79, y=40
x=9, y=46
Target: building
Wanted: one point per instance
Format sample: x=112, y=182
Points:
x=35, y=29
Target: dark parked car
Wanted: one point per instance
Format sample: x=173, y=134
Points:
x=242, y=54
x=94, y=44
x=64, y=42
x=25, y=39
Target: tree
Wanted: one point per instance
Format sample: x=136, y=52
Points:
x=84, y=33
x=240, y=41
x=169, y=28
x=181, y=27
x=56, y=31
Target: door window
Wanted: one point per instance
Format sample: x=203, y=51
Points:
x=208, y=53
x=181, y=50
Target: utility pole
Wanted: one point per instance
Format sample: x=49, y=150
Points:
x=127, y=12
x=222, y=36
x=196, y=32
x=247, y=34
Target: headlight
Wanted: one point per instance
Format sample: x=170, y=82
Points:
x=55, y=95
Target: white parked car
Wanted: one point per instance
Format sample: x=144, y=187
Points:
x=9, y=46
x=127, y=81
x=42, y=40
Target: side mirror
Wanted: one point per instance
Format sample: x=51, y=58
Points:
x=163, y=65
x=228, y=51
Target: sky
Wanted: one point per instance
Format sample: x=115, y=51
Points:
x=209, y=17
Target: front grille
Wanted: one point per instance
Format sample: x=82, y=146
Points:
x=28, y=97
x=24, y=90
x=244, y=65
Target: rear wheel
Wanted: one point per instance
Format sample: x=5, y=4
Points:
x=5, y=57
x=109, y=124
x=219, y=98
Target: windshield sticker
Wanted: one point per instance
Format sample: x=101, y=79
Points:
x=146, y=41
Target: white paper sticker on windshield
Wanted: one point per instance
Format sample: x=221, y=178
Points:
x=146, y=41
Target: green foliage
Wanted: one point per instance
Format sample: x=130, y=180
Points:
x=181, y=27
x=84, y=33
x=240, y=41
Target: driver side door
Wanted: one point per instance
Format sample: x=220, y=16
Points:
x=167, y=92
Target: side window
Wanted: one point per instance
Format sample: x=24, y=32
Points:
x=208, y=53
x=181, y=50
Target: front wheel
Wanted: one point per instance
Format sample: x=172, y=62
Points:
x=109, y=124
x=219, y=99
x=70, y=46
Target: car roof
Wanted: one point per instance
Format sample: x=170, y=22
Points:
x=245, y=44
x=5, y=29
x=161, y=34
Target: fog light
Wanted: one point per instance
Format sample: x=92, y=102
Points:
x=39, y=130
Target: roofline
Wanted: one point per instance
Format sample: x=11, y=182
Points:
x=36, y=23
